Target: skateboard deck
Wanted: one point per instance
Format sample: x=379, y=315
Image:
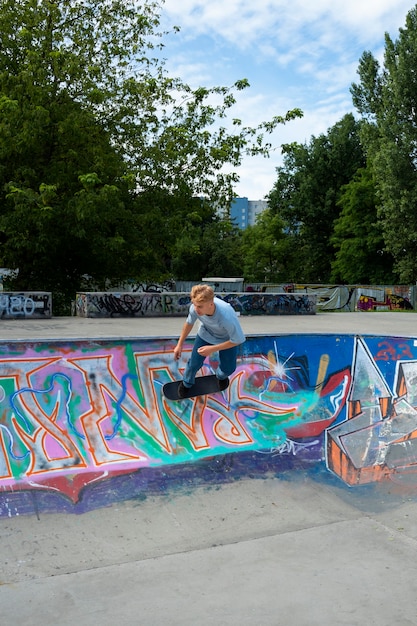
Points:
x=202, y=386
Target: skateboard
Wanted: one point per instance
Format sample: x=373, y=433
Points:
x=203, y=385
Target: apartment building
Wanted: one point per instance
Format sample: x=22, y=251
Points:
x=243, y=212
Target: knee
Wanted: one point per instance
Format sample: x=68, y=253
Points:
x=227, y=368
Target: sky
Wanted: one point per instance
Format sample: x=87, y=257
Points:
x=295, y=54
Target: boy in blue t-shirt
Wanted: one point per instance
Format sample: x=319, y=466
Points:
x=220, y=331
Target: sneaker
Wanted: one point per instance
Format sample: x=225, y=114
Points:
x=223, y=383
x=182, y=390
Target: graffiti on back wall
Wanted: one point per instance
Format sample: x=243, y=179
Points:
x=75, y=413
x=25, y=305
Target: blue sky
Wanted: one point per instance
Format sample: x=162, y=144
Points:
x=295, y=53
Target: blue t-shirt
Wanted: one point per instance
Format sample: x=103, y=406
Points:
x=223, y=325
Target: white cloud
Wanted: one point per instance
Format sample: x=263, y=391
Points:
x=302, y=53
x=243, y=21
x=258, y=174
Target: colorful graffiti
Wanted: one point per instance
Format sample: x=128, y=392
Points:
x=131, y=304
x=76, y=413
x=388, y=299
x=140, y=304
x=352, y=297
x=272, y=303
x=18, y=305
x=379, y=438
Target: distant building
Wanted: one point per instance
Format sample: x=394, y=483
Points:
x=243, y=212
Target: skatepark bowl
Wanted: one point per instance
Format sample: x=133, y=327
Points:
x=288, y=498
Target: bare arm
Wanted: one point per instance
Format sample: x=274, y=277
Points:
x=186, y=329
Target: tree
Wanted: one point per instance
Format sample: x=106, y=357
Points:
x=263, y=249
x=306, y=193
x=56, y=221
x=357, y=238
x=101, y=152
x=386, y=98
x=208, y=249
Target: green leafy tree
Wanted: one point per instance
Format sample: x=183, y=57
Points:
x=207, y=246
x=360, y=252
x=56, y=223
x=101, y=152
x=307, y=192
x=386, y=98
x=264, y=250
x=222, y=249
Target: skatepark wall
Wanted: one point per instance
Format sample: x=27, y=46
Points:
x=257, y=299
x=25, y=305
x=176, y=304
x=346, y=298
x=84, y=423
x=358, y=297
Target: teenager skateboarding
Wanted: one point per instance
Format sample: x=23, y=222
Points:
x=219, y=331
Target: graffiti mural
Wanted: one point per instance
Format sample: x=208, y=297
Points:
x=384, y=299
x=18, y=305
x=129, y=304
x=74, y=414
x=379, y=438
x=272, y=303
x=350, y=297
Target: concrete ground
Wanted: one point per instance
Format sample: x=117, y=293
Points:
x=384, y=323
x=288, y=550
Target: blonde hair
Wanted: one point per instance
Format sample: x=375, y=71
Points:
x=202, y=293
